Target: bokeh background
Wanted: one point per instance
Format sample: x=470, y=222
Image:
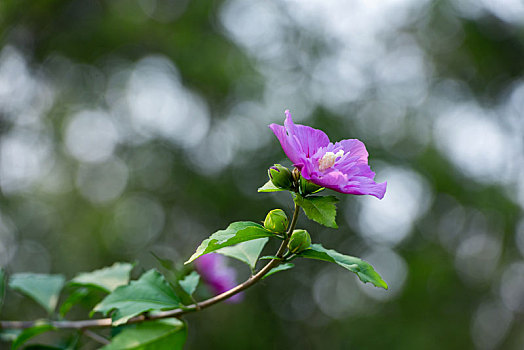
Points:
x=131, y=127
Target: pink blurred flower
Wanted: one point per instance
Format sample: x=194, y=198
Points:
x=217, y=275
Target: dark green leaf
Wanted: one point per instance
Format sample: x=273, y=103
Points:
x=166, y=334
x=74, y=298
x=320, y=209
x=247, y=252
x=30, y=333
x=150, y=292
x=281, y=267
x=235, y=233
x=364, y=271
x=190, y=282
x=44, y=289
x=269, y=187
x=107, y=279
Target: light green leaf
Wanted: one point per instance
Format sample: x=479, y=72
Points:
x=247, y=252
x=235, y=233
x=190, y=282
x=107, y=279
x=320, y=209
x=281, y=267
x=2, y=286
x=269, y=187
x=9, y=335
x=30, y=333
x=364, y=271
x=44, y=289
x=166, y=334
x=150, y=292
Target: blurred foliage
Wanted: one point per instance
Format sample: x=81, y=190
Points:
x=136, y=127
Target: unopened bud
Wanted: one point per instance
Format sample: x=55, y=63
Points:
x=276, y=221
x=307, y=187
x=280, y=176
x=300, y=241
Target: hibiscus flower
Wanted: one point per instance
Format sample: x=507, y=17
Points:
x=341, y=166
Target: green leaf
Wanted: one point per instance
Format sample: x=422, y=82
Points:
x=281, y=267
x=107, y=279
x=247, y=252
x=190, y=282
x=150, y=292
x=74, y=298
x=235, y=233
x=9, y=335
x=2, y=286
x=269, y=187
x=320, y=209
x=364, y=271
x=269, y=257
x=44, y=289
x=166, y=334
x=30, y=333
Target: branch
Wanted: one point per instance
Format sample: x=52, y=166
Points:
x=107, y=322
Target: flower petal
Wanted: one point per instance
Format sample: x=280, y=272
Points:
x=355, y=148
x=289, y=147
x=309, y=139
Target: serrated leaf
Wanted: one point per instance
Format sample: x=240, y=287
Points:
x=235, y=233
x=247, y=252
x=107, y=278
x=364, y=270
x=30, y=333
x=320, y=209
x=190, y=282
x=166, y=334
x=150, y=292
x=281, y=267
x=44, y=289
x=269, y=187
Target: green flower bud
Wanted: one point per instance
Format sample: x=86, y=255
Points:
x=300, y=241
x=307, y=187
x=276, y=221
x=280, y=176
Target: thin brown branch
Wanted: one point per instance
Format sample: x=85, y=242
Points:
x=106, y=322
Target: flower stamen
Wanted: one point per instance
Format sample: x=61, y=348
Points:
x=328, y=160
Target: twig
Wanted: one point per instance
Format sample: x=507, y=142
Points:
x=106, y=322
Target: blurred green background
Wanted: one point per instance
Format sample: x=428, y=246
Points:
x=139, y=126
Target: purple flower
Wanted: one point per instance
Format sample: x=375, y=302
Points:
x=342, y=166
x=217, y=275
